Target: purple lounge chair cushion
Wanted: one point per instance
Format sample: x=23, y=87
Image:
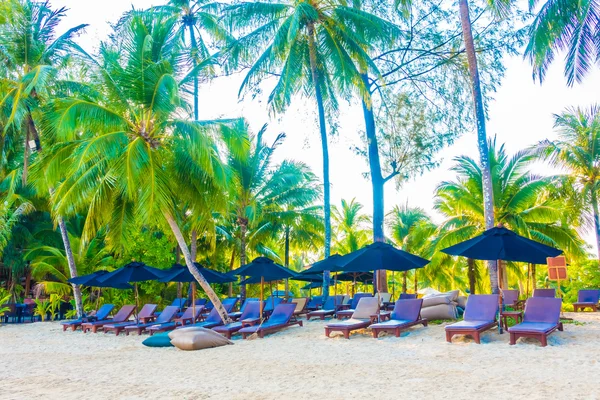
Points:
x=468, y=325
x=481, y=307
x=542, y=309
x=544, y=293
x=510, y=297
x=588, y=296
x=350, y=324
x=393, y=323
x=532, y=327
x=407, y=309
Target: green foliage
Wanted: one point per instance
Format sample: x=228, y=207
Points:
x=350, y=229
x=3, y=300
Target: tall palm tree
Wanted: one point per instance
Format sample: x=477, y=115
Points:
x=524, y=202
x=577, y=150
x=135, y=157
x=317, y=48
x=264, y=197
x=350, y=227
x=568, y=26
x=499, y=8
x=33, y=52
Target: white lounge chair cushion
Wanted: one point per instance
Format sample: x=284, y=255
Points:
x=366, y=307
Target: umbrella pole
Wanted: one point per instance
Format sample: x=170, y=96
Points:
x=137, y=306
x=194, y=302
x=262, y=282
x=393, y=284
x=271, y=295
x=500, y=302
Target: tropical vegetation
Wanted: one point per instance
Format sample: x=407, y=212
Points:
x=105, y=159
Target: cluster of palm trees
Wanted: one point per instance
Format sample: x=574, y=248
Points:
x=95, y=146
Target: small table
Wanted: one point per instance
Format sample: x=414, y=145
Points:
x=517, y=316
x=382, y=316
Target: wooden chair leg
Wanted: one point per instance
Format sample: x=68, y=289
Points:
x=397, y=332
x=346, y=334
x=477, y=337
x=375, y=333
x=327, y=332
x=449, y=336
x=513, y=339
x=544, y=340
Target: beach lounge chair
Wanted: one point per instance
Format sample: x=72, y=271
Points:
x=406, y=313
x=186, y=319
x=145, y=316
x=237, y=314
x=480, y=315
x=123, y=315
x=270, y=303
x=540, y=319
x=407, y=296
x=384, y=298
x=301, y=303
x=346, y=311
x=510, y=298
x=213, y=319
x=165, y=317
x=100, y=315
x=328, y=310
x=315, y=303
x=544, y=293
x=251, y=312
x=347, y=299
x=587, y=298
x=230, y=300
x=200, y=302
x=280, y=318
x=363, y=316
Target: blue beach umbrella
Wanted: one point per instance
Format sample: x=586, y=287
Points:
x=92, y=280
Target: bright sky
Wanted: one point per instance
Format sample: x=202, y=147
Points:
x=520, y=115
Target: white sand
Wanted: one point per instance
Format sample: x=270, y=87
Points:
x=40, y=361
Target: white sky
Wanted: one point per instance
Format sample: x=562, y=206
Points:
x=519, y=115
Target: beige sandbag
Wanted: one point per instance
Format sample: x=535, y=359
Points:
x=198, y=340
x=440, y=311
x=462, y=301
x=453, y=295
x=435, y=300
x=174, y=333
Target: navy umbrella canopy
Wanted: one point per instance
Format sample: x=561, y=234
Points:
x=130, y=273
x=381, y=256
x=264, y=267
x=181, y=273
x=332, y=263
x=92, y=280
x=308, y=277
x=500, y=243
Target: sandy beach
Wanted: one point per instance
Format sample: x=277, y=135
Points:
x=40, y=361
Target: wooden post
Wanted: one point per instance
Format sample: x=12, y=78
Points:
x=262, y=283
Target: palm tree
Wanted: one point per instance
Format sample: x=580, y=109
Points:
x=524, y=202
x=136, y=156
x=412, y=230
x=565, y=26
x=499, y=8
x=263, y=196
x=578, y=151
x=318, y=48
x=350, y=227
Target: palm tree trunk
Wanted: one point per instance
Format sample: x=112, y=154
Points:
x=471, y=274
x=177, y=257
x=488, y=194
x=194, y=271
x=71, y=263
x=25, y=171
x=416, y=281
x=194, y=50
x=596, y=220
x=243, y=229
x=316, y=81
x=194, y=245
x=231, y=264
x=377, y=183
x=404, y=281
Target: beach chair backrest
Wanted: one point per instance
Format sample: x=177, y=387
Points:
x=272, y=302
x=407, y=296
x=179, y=303
x=407, y=309
x=251, y=311
x=510, y=296
x=230, y=300
x=384, y=297
x=481, y=307
x=588, y=296
x=245, y=304
x=544, y=293
x=357, y=298
x=300, y=303
x=104, y=311
x=147, y=311
x=366, y=307
x=200, y=302
x=167, y=314
x=315, y=302
x=282, y=313
x=124, y=313
x=209, y=305
x=542, y=309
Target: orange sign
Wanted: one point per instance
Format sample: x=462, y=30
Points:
x=557, y=268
